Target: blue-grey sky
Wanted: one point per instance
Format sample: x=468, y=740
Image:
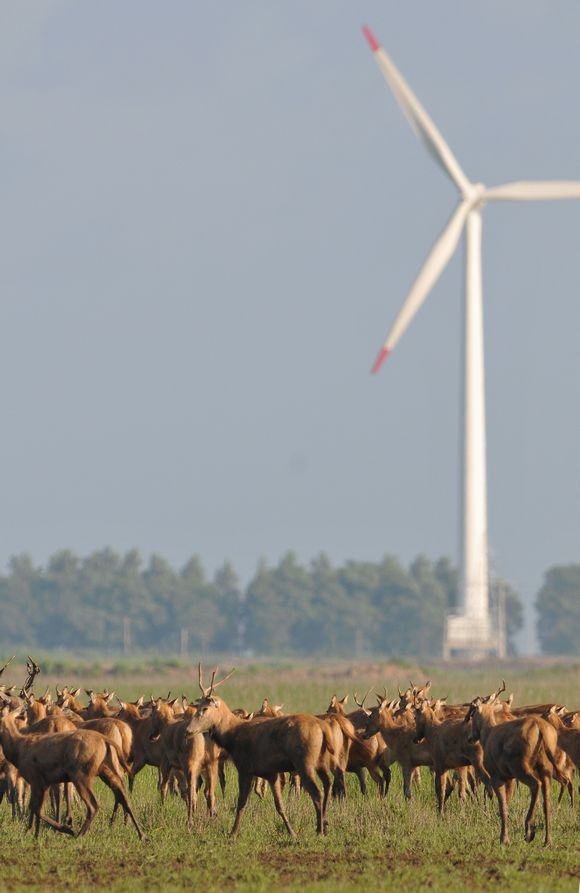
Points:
x=211, y=213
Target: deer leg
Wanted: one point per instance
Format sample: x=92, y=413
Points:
x=502, y=801
x=245, y=785
x=324, y=776
x=407, y=782
x=530, y=828
x=222, y=776
x=115, y=783
x=259, y=787
x=510, y=787
x=311, y=788
x=360, y=774
x=210, y=777
x=294, y=783
x=85, y=792
x=191, y=797
x=547, y=811
x=55, y=798
x=37, y=798
x=164, y=778
x=338, y=785
x=275, y=785
x=440, y=789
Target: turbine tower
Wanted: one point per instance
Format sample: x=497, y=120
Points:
x=470, y=630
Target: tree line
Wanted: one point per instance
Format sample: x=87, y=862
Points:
x=110, y=602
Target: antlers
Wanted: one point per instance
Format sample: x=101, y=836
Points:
x=33, y=671
x=7, y=664
x=208, y=692
x=361, y=704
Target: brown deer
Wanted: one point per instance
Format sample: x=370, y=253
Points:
x=362, y=754
x=568, y=742
x=282, y=744
x=78, y=757
x=397, y=728
x=450, y=749
x=524, y=750
x=190, y=754
x=146, y=747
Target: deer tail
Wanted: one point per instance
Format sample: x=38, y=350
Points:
x=557, y=769
x=327, y=739
x=347, y=731
x=116, y=758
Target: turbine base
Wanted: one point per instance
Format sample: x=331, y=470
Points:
x=472, y=638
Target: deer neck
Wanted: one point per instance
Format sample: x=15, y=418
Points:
x=225, y=723
x=10, y=738
x=431, y=722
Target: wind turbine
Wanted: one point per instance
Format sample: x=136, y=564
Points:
x=470, y=629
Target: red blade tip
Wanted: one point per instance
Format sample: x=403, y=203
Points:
x=373, y=42
x=383, y=354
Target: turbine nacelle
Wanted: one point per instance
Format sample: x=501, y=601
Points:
x=474, y=194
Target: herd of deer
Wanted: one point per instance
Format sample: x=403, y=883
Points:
x=60, y=746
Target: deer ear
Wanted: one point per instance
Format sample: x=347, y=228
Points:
x=75, y=693
x=344, y=700
x=265, y=704
x=250, y=716
x=110, y=697
x=139, y=701
x=333, y=701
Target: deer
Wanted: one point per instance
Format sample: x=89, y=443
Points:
x=362, y=754
x=191, y=754
x=397, y=729
x=568, y=742
x=524, y=750
x=98, y=706
x=11, y=786
x=76, y=756
x=146, y=747
x=447, y=739
x=298, y=742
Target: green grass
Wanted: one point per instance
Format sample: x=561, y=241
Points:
x=372, y=844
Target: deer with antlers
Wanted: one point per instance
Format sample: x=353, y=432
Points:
x=296, y=742
x=447, y=738
x=397, y=729
x=363, y=754
x=524, y=750
x=191, y=754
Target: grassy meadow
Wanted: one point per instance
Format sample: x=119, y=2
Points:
x=372, y=844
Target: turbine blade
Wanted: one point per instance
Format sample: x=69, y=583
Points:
x=417, y=116
x=428, y=275
x=530, y=190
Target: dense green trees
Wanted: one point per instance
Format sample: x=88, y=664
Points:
x=558, y=607
x=110, y=602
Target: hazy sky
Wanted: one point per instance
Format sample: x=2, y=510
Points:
x=210, y=214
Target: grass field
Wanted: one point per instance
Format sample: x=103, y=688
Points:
x=372, y=844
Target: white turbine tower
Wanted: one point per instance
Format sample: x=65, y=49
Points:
x=469, y=631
